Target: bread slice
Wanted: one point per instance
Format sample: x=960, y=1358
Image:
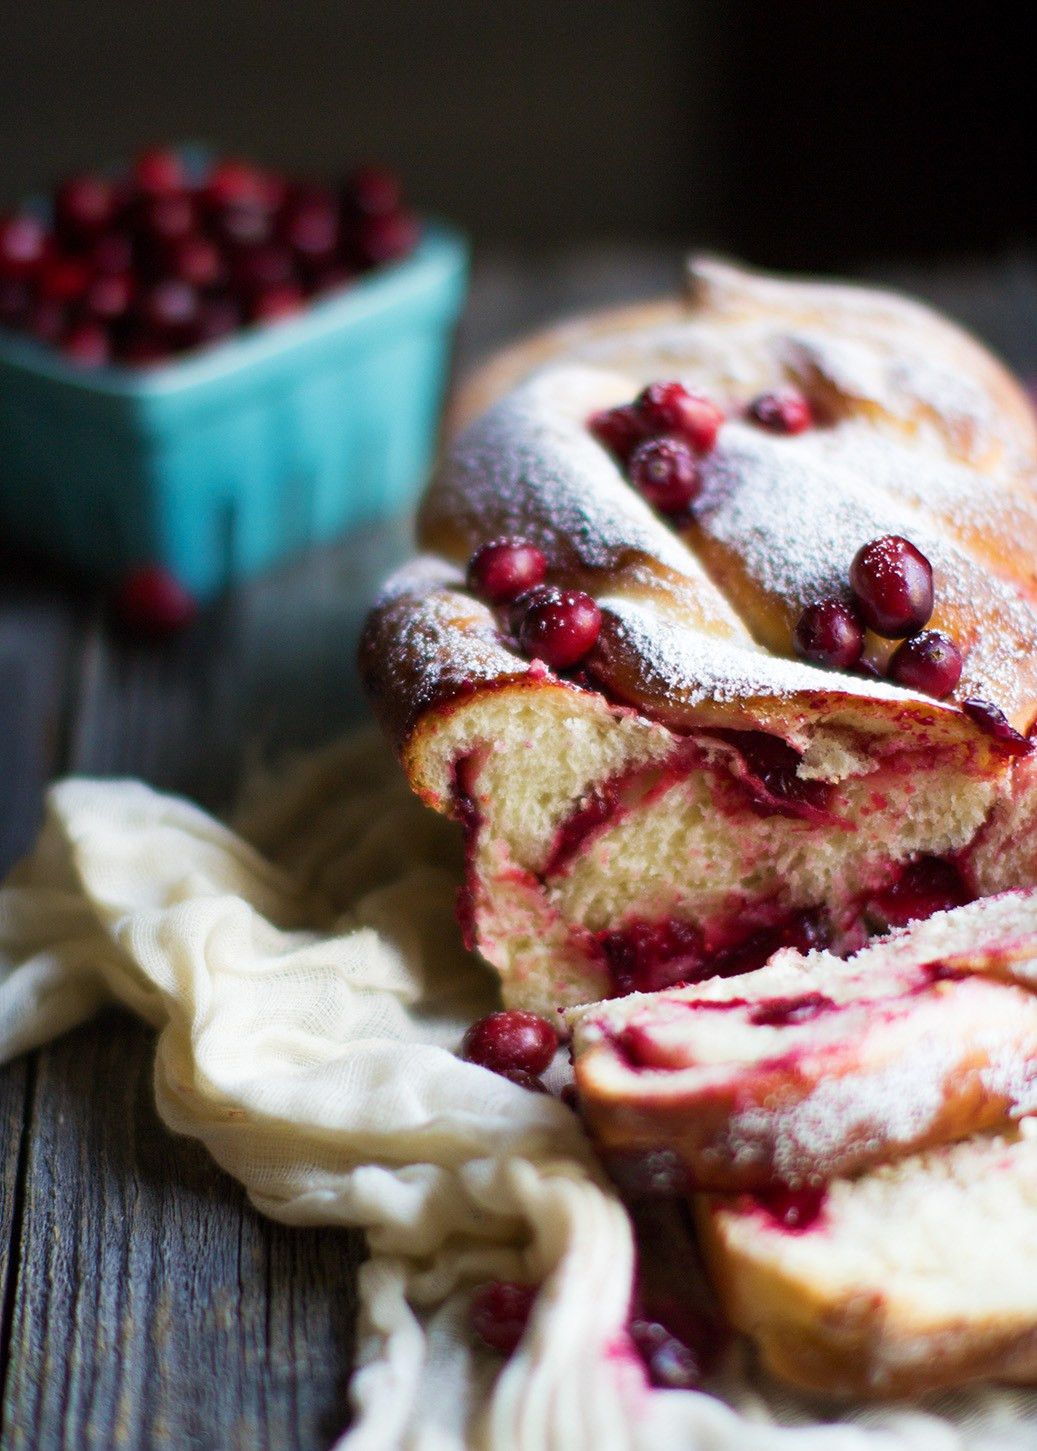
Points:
x=811, y=1066
x=911, y=1277
x=693, y=797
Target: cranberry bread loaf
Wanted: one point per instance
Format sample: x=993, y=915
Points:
x=911, y=1277
x=812, y=1067
x=696, y=737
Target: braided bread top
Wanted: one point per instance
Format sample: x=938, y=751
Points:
x=923, y=435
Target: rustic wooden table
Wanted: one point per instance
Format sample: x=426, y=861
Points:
x=143, y=1303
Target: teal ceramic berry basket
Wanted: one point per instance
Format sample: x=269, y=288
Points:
x=220, y=463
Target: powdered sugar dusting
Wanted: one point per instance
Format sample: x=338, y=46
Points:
x=892, y=1105
x=794, y=526
x=865, y=1072
x=961, y=500
x=531, y=466
x=694, y=668
x=780, y=518
x=914, y=392
x=794, y=511
x=438, y=641
x=913, y=368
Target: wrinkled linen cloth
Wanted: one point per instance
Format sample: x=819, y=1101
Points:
x=305, y=975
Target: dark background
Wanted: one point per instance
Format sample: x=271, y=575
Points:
x=813, y=135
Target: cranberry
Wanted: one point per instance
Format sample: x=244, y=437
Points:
x=665, y=472
x=499, y=1313
x=142, y=254
x=893, y=585
x=372, y=191
x=243, y=224
x=648, y=957
x=232, y=183
x=785, y=410
x=502, y=569
x=929, y=662
x=510, y=1040
x=670, y=408
x=84, y=205
x=254, y=269
x=805, y=932
x=218, y=317
x=387, y=238
x=773, y=767
x=86, y=344
x=992, y=719
x=109, y=296
x=169, y=307
x=158, y=170
x=24, y=245
x=63, y=279
x=111, y=252
x=15, y=302
x=619, y=429
x=829, y=633
x=196, y=260
x=275, y=302
x=929, y=884
x=678, y=1346
x=559, y=626
x=165, y=219
x=794, y=1209
x=311, y=228
x=151, y=601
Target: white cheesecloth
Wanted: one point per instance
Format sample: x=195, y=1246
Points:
x=306, y=978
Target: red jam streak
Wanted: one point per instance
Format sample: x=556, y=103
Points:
x=992, y=720
x=594, y=812
x=786, y=1012
x=646, y=956
x=466, y=771
x=650, y=956
x=945, y=972
x=795, y=1210
x=773, y=787
x=766, y=773
x=927, y=885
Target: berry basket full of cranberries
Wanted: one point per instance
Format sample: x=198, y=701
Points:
x=206, y=366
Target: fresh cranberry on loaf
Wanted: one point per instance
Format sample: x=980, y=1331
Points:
x=811, y=1067
x=724, y=636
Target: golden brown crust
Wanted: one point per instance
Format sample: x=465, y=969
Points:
x=857, y=1345
x=429, y=648
x=631, y=1128
x=928, y=436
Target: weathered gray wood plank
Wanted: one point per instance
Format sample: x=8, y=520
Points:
x=38, y=638
x=154, y=1307
x=35, y=649
x=16, y=1083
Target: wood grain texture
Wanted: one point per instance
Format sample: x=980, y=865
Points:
x=154, y=1307
x=143, y=1304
